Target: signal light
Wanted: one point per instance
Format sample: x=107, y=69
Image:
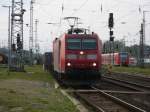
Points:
x=111, y=20
x=19, y=43
x=13, y=47
x=18, y=38
x=111, y=38
x=111, y=32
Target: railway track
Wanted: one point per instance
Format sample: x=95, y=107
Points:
x=136, y=78
x=130, y=97
x=123, y=91
x=101, y=101
x=128, y=84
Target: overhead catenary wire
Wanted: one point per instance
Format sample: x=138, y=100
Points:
x=62, y=8
x=5, y=1
x=45, y=14
x=128, y=2
x=100, y=6
x=45, y=4
x=81, y=6
x=115, y=6
x=42, y=8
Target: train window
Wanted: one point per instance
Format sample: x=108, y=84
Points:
x=89, y=44
x=74, y=44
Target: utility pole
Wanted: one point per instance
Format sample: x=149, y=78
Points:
x=36, y=40
x=17, y=34
x=144, y=28
x=31, y=33
x=141, y=47
x=142, y=41
x=9, y=39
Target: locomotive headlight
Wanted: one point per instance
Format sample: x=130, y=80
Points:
x=68, y=64
x=81, y=52
x=94, y=64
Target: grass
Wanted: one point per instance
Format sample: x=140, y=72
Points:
x=144, y=71
x=32, y=73
x=31, y=91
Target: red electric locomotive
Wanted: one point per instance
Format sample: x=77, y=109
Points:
x=120, y=58
x=78, y=53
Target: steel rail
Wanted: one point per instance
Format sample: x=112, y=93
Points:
x=121, y=102
x=134, y=77
x=128, y=84
x=106, y=91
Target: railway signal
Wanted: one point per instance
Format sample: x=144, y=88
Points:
x=111, y=25
x=111, y=39
x=13, y=47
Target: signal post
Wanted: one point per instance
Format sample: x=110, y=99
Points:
x=110, y=26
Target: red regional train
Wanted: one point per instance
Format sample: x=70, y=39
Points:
x=120, y=58
x=77, y=54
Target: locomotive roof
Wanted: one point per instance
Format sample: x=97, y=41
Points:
x=78, y=31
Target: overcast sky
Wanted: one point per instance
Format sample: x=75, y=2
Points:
x=92, y=13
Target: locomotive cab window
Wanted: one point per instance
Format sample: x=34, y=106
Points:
x=89, y=44
x=73, y=44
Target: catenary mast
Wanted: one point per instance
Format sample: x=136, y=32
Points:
x=17, y=35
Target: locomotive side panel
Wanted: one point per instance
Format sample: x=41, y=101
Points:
x=62, y=54
x=99, y=51
x=56, y=55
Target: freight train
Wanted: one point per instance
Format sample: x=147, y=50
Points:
x=47, y=61
x=77, y=53
x=118, y=59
